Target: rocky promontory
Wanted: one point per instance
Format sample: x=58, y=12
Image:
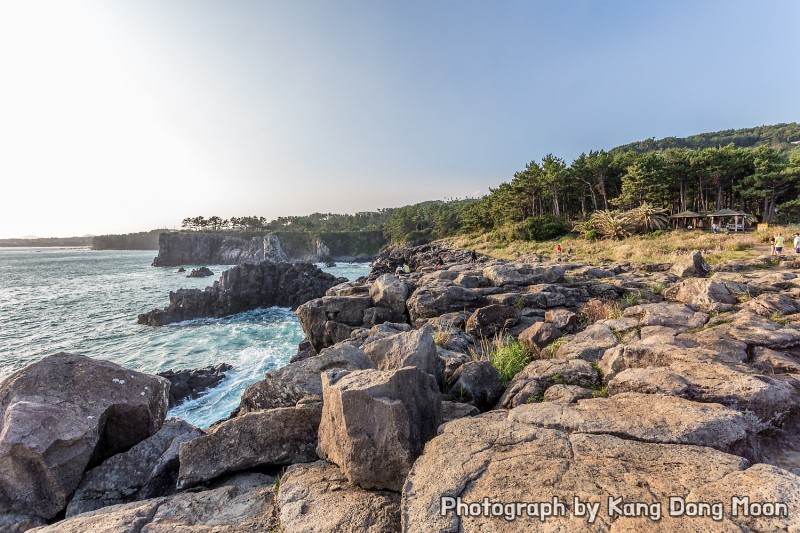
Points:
x=573, y=388
x=243, y=288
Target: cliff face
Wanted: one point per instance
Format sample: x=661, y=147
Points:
x=207, y=249
x=210, y=248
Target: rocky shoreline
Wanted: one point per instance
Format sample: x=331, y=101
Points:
x=642, y=383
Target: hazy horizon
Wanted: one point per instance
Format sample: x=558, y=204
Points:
x=129, y=116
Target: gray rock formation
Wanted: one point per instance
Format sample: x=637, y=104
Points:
x=693, y=265
x=415, y=348
x=148, y=470
x=331, y=319
x=191, y=383
x=202, y=272
x=245, y=287
x=491, y=320
x=273, y=437
x=391, y=293
x=476, y=383
x=295, y=381
x=375, y=424
x=64, y=414
x=505, y=459
x=317, y=498
x=242, y=503
x=176, y=249
x=530, y=384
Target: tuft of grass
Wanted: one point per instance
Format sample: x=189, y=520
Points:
x=507, y=356
x=779, y=318
x=631, y=298
x=656, y=288
x=599, y=309
x=441, y=336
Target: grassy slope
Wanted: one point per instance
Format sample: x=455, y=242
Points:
x=639, y=249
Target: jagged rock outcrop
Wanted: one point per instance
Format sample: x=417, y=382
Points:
x=202, y=272
x=375, y=424
x=317, y=498
x=245, y=287
x=390, y=293
x=393, y=351
x=148, y=470
x=64, y=414
x=420, y=258
x=692, y=266
x=491, y=320
x=191, y=383
x=273, y=437
x=331, y=319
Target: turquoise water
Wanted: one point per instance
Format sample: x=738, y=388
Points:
x=86, y=302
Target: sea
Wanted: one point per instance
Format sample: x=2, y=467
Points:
x=87, y=301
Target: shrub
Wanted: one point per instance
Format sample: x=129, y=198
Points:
x=591, y=235
x=612, y=224
x=543, y=228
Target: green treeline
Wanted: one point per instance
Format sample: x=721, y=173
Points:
x=755, y=170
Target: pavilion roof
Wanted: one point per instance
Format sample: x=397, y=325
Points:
x=687, y=214
x=729, y=213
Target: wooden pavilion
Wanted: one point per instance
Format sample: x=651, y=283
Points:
x=687, y=219
x=739, y=223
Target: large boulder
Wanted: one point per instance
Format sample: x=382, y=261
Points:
x=242, y=503
x=490, y=320
x=391, y=293
x=274, y=437
x=564, y=319
x=411, y=348
x=429, y=301
x=329, y=320
x=295, y=381
x=375, y=424
x=530, y=384
x=62, y=415
x=693, y=265
x=245, y=287
x=148, y=470
x=317, y=498
x=522, y=274
x=502, y=458
x=476, y=383
x=709, y=293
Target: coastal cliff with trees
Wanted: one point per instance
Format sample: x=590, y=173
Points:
x=755, y=170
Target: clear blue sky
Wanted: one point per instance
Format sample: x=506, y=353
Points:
x=128, y=115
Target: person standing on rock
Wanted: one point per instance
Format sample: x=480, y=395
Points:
x=439, y=263
x=772, y=245
x=558, y=252
x=473, y=257
x=797, y=243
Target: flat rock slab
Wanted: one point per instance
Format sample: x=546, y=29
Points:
x=274, y=437
x=60, y=415
x=317, y=498
x=410, y=348
x=246, y=505
x=507, y=460
x=644, y=417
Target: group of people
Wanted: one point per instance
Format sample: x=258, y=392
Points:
x=560, y=252
x=778, y=242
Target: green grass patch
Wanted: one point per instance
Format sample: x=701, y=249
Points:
x=509, y=358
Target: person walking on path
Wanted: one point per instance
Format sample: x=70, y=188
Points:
x=558, y=252
x=779, y=243
x=772, y=245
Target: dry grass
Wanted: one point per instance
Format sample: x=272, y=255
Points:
x=599, y=309
x=664, y=248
